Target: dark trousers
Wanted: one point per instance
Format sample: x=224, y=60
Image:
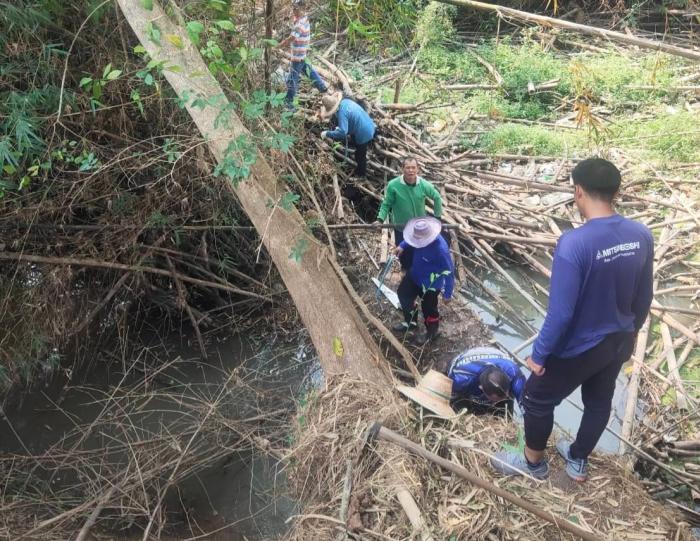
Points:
x=408, y=292
x=361, y=159
x=595, y=371
x=297, y=69
x=406, y=257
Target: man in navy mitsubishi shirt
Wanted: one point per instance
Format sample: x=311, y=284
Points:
x=600, y=294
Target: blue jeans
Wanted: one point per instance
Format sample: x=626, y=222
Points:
x=295, y=75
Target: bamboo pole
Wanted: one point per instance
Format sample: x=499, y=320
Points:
x=415, y=517
x=510, y=279
x=503, y=11
x=675, y=377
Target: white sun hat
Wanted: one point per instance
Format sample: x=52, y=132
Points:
x=419, y=232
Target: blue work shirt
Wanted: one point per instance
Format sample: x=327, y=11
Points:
x=467, y=367
x=432, y=267
x=602, y=283
x=352, y=121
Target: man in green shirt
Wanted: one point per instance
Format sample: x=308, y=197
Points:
x=405, y=199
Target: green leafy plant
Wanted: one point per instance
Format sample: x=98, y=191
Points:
x=240, y=155
x=434, y=24
x=95, y=86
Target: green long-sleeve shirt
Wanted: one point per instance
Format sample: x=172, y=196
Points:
x=404, y=201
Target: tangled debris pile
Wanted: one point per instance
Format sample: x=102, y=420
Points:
x=331, y=439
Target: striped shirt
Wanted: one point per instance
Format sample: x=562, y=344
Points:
x=301, y=35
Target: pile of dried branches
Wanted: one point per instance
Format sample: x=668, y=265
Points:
x=358, y=494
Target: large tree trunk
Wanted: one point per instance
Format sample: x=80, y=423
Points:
x=324, y=305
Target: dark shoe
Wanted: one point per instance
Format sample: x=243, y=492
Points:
x=516, y=464
x=576, y=468
x=403, y=327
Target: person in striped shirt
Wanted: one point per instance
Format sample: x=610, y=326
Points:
x=299, y=40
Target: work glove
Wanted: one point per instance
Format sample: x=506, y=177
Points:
x=324, y=133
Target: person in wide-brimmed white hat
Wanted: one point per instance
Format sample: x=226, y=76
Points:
x=431, y=272
x=353, y=125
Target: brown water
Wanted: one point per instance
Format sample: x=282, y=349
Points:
x=243, y=496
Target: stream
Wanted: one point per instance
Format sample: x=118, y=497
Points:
x=242, y=497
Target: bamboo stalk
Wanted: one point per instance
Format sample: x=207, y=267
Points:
x=510, y=279
x=582, y=28
x=385, y=434
x=681, y=400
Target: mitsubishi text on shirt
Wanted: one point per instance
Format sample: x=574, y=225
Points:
x=602, y=278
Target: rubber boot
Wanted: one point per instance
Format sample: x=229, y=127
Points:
x=430, y=334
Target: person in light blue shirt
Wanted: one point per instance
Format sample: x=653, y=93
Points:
x=353, y=125
x=600, y=294
x=484, y=378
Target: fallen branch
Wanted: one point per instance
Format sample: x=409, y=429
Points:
x=85, y=262
x=582, y=28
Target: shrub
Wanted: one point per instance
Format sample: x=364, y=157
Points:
x=434, y=24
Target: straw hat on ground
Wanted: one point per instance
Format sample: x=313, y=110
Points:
x=419, y=232
x=330, y=104
x=433, y=392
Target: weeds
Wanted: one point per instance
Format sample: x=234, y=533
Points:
x=670, y=137
x=450, y=65
x=605, y=78
x=434, y=24
x=531, y=140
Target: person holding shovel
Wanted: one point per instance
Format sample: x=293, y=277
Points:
x=353, y=125
x=600, y=293
x=405, y=199
x=299, y=39
x=431, y=273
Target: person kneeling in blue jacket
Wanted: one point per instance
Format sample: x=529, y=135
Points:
x=354, y=126
x=485, y=379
